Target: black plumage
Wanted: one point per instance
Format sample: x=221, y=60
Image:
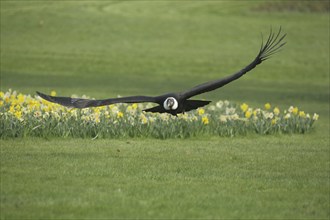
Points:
x=175, y=103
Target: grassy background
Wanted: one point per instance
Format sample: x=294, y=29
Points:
x=104, y=49
x=251, y=177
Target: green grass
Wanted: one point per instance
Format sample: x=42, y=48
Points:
x=274, y=177
x=104, y=49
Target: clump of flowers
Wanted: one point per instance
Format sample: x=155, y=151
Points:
x=24, y=115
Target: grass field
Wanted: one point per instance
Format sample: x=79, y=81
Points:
x=104, y=49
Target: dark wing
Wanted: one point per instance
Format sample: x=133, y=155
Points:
x=85, y=103
x=194, y=104
x=272, y=45
x=155, y=109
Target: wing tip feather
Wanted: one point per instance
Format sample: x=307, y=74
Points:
x=273, y=45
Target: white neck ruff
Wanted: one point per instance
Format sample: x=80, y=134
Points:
x=175, y=106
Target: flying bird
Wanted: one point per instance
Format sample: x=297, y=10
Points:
x=180, y=102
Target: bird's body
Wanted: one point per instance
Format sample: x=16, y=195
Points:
x=180, y=102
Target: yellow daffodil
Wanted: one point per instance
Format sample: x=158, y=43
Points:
x=47, y=108
x=144, y=119
x=244, y=107
x=134, y=106
x=33, y=104
x=276, y=111
x=201, y=111
x=12, y=109
x=13, y=96
x=295, y=110
x=256, y=112
x=205, y=120
x=20, y=99
x=267, y=106
x=302, y=114
x=248, y=114
x=120, y=114
x=18, y=114
x=97, y=110
x=97, y=119
x=274, y=121
x=7, y=99
x=315, y=117
x=129, y=108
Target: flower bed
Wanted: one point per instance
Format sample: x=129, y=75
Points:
x=24, y=115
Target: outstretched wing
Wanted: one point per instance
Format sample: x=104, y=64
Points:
x=85, y=103
x=272, y=46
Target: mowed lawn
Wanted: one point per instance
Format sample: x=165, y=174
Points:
x=104, y=49
x=245, y=177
